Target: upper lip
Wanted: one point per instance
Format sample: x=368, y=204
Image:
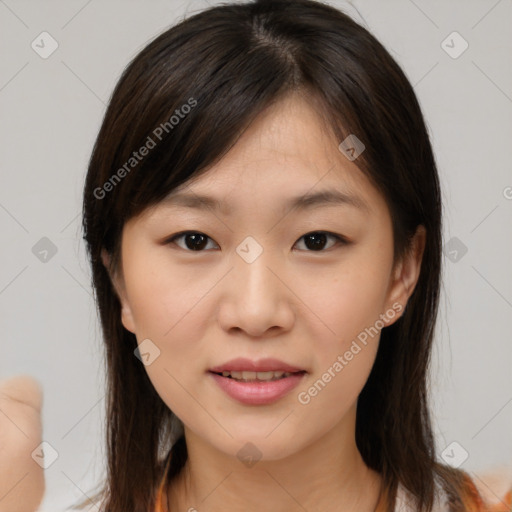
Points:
x=241, y=364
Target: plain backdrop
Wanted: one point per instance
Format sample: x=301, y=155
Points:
x=50, y=112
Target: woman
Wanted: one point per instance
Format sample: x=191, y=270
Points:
x=262, y=214
x=253, y=105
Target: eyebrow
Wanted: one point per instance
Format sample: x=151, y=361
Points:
x=303, y=202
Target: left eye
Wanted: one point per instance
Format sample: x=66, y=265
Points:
x=317, y=240
x=314, y=241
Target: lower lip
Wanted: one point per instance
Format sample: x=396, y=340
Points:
x=257, y=393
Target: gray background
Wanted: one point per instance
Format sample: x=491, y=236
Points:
x=51, y=111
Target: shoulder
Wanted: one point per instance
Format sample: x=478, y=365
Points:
x=495, y=488
x=490, y=491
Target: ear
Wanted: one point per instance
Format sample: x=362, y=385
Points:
x=120, y=289
x=405, y=275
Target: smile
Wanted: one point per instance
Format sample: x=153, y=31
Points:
x=257, y=388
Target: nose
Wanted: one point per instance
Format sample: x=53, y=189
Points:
x=256, y=298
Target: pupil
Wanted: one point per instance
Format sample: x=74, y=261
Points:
x=198, y=244
x=318, y=240
x=199, y=241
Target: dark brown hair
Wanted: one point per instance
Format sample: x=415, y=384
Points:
x=228, y=63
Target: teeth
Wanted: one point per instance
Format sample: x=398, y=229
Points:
x=252, y=376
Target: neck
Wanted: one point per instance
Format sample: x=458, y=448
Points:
x=328, y=475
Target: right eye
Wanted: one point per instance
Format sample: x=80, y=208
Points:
x=193, y=240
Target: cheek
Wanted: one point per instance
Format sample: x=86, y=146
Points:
x=346, y=351
x=346, y=306
x=334, y=391
x=168, y=307
x=161, y=296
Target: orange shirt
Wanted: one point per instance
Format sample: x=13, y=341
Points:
x=475, y=502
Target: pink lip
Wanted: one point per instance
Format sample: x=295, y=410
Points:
x=257, y=393
x=241, y=364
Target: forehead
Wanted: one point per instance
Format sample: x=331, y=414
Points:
x=287, y=159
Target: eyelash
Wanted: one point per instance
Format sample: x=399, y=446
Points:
x=341, y=240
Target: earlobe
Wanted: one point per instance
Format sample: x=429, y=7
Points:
x=119, y=288
x=407, y=273
x=127, y=318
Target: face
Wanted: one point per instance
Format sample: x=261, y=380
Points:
x=309, y=286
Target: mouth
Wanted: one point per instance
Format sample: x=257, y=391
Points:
x=249, y=376
x=256, y=382
x=257, y=388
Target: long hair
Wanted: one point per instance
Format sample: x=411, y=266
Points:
x=188, y=96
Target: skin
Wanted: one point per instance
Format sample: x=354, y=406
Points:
x=21, y=479
x=294, y=303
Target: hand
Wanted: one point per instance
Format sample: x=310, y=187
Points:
x=22, y=483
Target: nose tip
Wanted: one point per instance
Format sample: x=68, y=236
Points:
x=258, y=303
